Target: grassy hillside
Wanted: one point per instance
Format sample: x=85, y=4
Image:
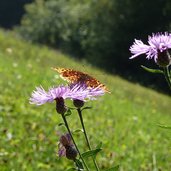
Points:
x=125, y=120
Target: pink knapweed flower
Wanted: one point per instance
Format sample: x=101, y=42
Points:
x=157, y=48
x=75, y=91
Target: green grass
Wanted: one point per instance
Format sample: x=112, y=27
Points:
x=125, y=120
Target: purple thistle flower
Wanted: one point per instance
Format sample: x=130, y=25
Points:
x=65, y=140
x=66, y=147
x=76, y=91
x=82, y=92
x=158, y=45
x=40, y=96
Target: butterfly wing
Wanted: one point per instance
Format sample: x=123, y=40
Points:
x=74, y=76
x=69, y=75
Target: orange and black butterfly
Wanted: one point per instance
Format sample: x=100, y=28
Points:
x=74, y=76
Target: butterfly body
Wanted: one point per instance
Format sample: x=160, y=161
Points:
x=74, y=76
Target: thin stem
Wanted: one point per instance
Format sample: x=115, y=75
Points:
x=86, y=137
x=69, y=131
x=167, y=76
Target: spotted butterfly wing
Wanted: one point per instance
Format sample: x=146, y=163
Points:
x=74, y=76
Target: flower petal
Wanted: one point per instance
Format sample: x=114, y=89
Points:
x=138, y=48
x=40, y=96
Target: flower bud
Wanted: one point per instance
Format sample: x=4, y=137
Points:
x=71, y=152
x=78, y=103
x=163, y=58
x=60, y=106
x=65, y=139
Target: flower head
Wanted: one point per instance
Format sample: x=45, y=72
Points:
x=40, y=96
x=157, y=48
x=82, y=92
x=75, y=91
x=66, y=147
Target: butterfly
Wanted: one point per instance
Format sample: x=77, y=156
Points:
x=73, y=76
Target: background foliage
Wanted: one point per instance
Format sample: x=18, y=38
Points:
x=99, y=31
x=11, y=12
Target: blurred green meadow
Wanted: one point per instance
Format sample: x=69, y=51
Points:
x=125, y=121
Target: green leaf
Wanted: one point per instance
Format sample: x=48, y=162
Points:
x=91, y=153
x=164, y=126
x=68, y=113
x=70, y=169
x=115, y=168
x=155, y=71
x=79, y=165
x=61, y=124
x=71, y=108
x=43, y=166
x=99, y=145
x=77, y=131
x=85, y=108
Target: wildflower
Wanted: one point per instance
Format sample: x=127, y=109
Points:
x=82, y=92
x=40, y=96
x=66, y=147
x=157, y=48
x=76, y=91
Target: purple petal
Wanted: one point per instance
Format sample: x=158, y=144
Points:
x=75, y=91
x=61, y=91
x=157, y=43
x=61, y=151
x=138, y=48
x=82, y=92
x=40, y=96
x=160, y=41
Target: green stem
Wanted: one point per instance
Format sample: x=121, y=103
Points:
x=167, y=76
x=86, y=137
x=69, y=131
